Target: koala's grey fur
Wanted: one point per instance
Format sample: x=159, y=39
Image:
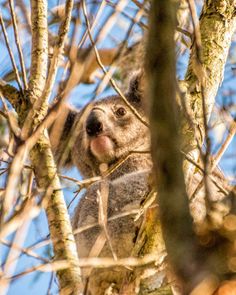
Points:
x=122, y=231
x=128, y=184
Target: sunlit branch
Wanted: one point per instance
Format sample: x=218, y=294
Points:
x=16, y=34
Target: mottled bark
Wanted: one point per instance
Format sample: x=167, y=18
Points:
x=59, y=223
x=42, y=158
x=217, y=24
x=39, y=54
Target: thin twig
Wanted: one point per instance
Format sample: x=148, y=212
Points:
x=195, y=22
x=10, y=52
x=75, y=196
x=83, y=183
x=109, y=21
x=137, y=212
x=4, y=171
x=29, y=211
x=26, y=251
x=18, y=45
x=224, y=189
x=50, y=284
x=114, y=85
x=13, y=256
x=108, y=75
x=47, y=267
x=122, y=160
x=215, y=159
x=184, y=32
x=103, y=195
x=96, y=19
x=57, y=51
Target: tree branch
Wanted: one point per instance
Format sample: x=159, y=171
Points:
x=42, y=158
x=217, y=25
x=39, y=54
x=175, y=217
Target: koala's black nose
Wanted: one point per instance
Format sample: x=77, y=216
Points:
x=94, y=125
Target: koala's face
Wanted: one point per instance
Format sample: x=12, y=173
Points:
x=109, y=131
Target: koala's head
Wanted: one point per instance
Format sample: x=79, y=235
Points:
x=108, y=130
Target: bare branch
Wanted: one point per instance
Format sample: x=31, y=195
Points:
x=176, y=221
x=26, y=251
x=10, y=52
x=16, y=34
x=39, y=55
x=216, y=39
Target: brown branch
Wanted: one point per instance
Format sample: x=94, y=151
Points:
x=181, y=244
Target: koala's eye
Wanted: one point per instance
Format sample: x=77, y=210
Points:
x=120, y=112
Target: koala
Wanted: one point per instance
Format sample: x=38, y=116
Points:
x=107, y=133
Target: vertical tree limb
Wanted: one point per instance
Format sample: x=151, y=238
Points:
x=39, y=54
x=42, y=158
x=217, y=24
x=176, y=221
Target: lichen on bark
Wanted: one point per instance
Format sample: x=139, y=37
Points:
x=217, y=24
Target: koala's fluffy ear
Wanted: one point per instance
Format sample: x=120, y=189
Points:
x=61, y=135
x=136, y=88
